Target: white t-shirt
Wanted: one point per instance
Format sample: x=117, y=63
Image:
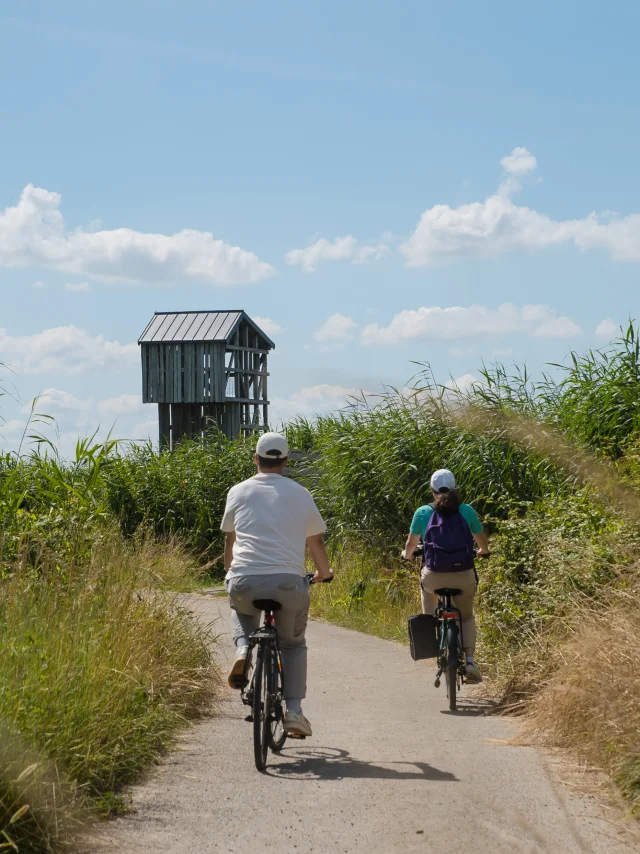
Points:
x=272, y=516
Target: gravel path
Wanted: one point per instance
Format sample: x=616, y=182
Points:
x=388, y=770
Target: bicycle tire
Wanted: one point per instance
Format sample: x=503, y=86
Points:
x=260, y=709
x=451, y=667
x=277, y=735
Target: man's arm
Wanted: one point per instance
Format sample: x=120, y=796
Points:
x=319, y=557
x=410, y=545
x=229, y=540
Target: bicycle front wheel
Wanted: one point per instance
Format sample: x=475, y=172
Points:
x=451, y=667
x=260, y=708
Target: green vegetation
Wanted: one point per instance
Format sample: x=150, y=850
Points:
x=553, y=469
x=101, y=665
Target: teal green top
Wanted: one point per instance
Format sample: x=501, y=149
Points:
x=423, y=514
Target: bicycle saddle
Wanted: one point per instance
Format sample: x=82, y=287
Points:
x=267, y=605
x=448, y=591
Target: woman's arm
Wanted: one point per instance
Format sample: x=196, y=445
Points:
x=410, y=545
x=482, y=542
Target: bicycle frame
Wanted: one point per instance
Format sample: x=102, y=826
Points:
x=450, y=617
x=266, y=635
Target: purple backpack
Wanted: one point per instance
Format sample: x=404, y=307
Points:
x=448, y=543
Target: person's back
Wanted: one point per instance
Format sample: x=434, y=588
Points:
x=269, y=521
x=448, y=529
x=273, y=516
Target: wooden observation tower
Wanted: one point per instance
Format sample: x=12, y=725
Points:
x=205, y=367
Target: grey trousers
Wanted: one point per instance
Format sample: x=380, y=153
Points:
x=292, y=591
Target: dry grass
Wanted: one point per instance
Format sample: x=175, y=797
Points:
x=591, y=702
x=101, y=667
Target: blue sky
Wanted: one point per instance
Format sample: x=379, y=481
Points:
x=382, y=162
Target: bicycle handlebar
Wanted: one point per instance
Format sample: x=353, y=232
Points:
x=310, y=575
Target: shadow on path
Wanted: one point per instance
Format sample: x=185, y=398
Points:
x=473, y=706
x=329, y=763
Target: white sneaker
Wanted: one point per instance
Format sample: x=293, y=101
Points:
x=473, y=674
x=235, y=678
x=295, y=723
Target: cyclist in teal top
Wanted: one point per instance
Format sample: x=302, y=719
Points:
x=446, y=500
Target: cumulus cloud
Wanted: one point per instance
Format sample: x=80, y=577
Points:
x=57, y=400
x=124, y=417
x=33, y=232
x=498, y=224
x=336, y=329
x=269, y=326
x=311, y=401
x=519, y=162
x=457, y=322
x=607, y=329
x=341, y=249
x=65, y=350
x=77, y=287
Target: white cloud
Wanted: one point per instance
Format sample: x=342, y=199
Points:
x=519, y=162
x=39, y=284
x=33, y=232
x=123, y=404
x=77, y=287
x=463, y=383
x=57, y=400
x=65, y=350
x=269, y=326
x=497, y=225
x=607, y=328
x=310, y=401
x=145, y=430
x=435, y=323
x=336, y=329
x=124, y=417
x=342, y=248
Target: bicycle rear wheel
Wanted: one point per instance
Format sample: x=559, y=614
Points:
x=260, y=708
x=451, y=667
x=277, y=735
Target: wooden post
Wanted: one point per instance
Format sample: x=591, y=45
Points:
x=164, y=424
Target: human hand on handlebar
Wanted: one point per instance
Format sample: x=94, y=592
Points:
x=322, y=579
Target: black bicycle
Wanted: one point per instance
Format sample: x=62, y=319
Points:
x=264, y=692
x=451, y=659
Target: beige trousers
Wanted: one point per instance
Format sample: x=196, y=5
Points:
x=465, y=581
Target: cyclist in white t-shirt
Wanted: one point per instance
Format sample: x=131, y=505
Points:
x=269, y=521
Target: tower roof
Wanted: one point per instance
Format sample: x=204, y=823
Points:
x=167, y=327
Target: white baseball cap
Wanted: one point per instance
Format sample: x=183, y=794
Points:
x=442, y=479
x=272, y=446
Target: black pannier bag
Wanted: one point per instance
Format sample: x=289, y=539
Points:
x=423, y=637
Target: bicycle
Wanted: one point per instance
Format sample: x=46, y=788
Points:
x=264, y=691
x=451, y=658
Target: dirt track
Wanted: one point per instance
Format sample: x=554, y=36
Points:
x=388, y=770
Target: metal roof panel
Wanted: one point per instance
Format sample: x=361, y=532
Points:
x=175, y=326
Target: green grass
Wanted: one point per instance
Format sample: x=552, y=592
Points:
x=100, y=668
